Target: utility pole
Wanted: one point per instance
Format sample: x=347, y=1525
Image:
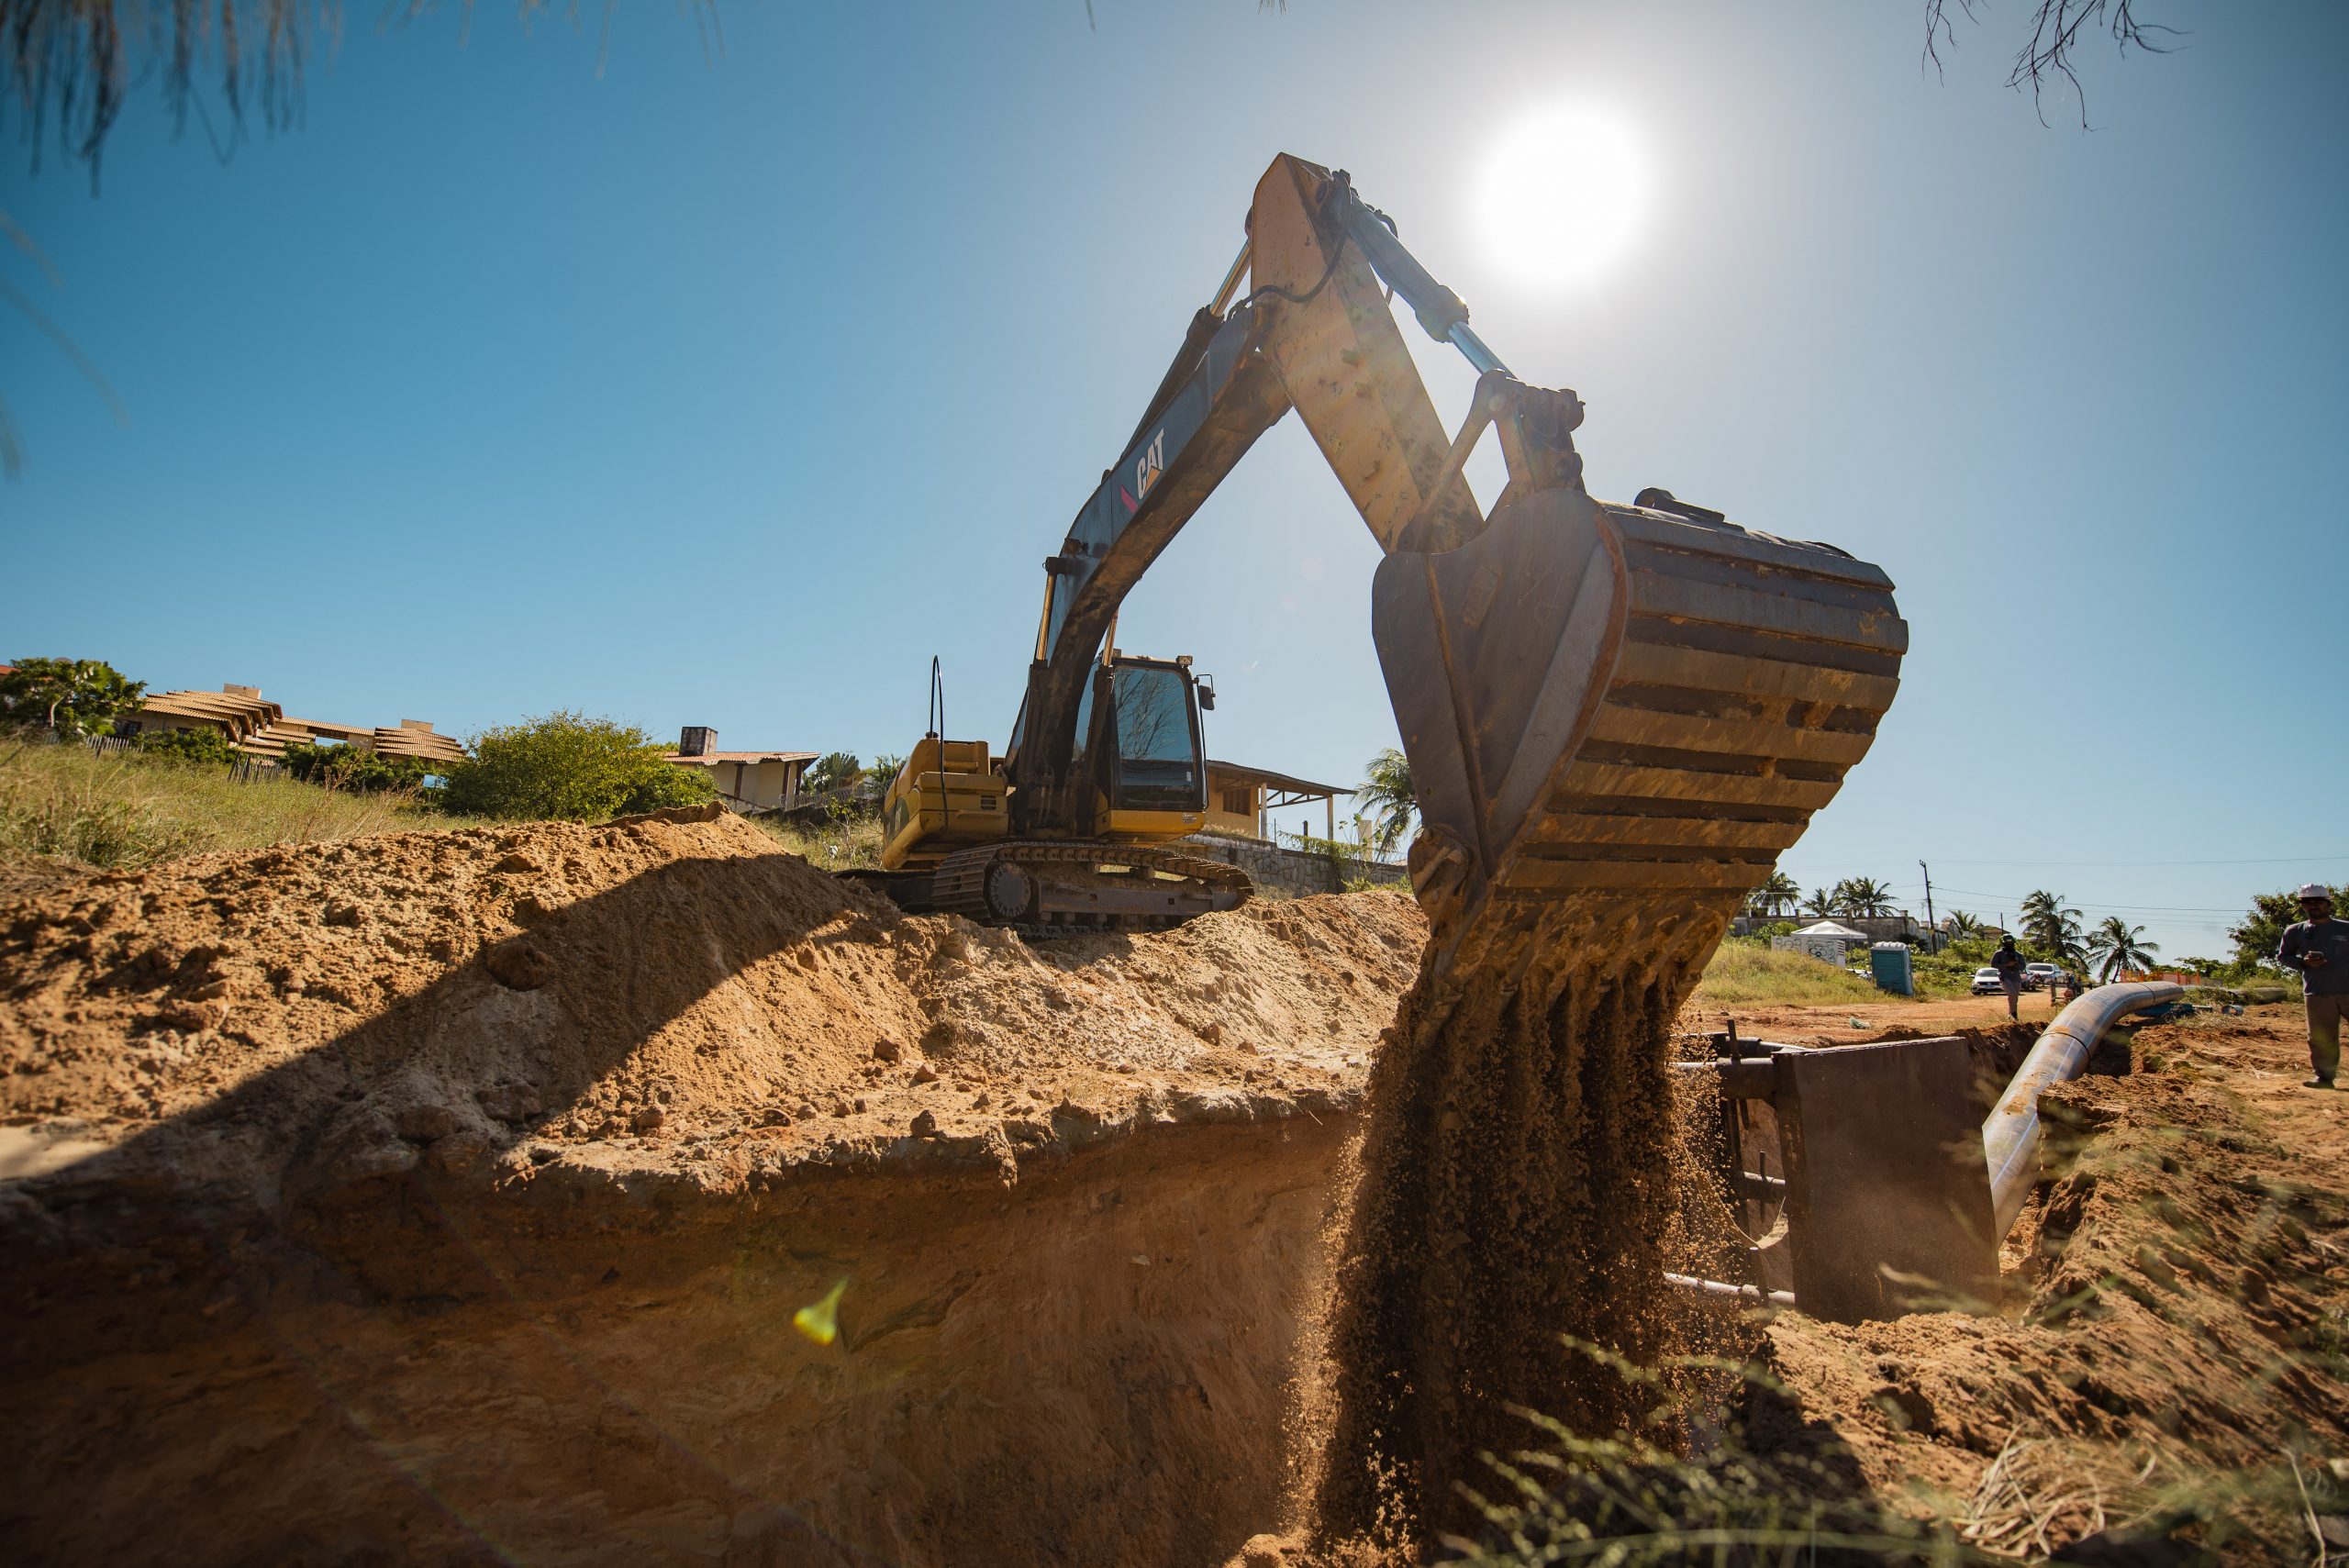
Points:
x=1933, y=937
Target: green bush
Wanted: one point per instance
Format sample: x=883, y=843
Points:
x=354, y=768
x=568, y=766
x=206, y=747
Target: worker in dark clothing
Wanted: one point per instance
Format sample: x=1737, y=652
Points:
x=2319, y=948
x=2009, y=964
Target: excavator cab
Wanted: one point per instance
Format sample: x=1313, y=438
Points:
x=1139, y=731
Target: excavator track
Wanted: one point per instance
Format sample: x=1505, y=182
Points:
x=1048, y=888
x=1734, y=680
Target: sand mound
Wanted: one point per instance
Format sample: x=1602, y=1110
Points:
x=456, y=1198
x=664, y=985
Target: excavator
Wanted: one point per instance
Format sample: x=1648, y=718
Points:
x=1616, y=717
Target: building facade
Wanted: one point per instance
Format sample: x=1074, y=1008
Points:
x=746, y=781
x=1241, y=800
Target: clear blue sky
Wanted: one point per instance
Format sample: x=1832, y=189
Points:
x=728, y=390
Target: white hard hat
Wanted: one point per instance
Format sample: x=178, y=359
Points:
x=2316, y=890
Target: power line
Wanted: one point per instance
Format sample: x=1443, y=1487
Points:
x=2115, y=908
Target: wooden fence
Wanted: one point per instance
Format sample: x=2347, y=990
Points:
x=243, y=770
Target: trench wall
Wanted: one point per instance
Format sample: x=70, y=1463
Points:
x=1092, y=1365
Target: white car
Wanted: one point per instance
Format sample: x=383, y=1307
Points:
x=1986, y=982
x=2036, y=975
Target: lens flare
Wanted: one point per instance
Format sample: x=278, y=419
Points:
x=820, y=1320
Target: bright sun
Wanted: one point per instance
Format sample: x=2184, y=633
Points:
x=1564, y=195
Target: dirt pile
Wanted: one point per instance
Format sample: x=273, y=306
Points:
x=481, y=1194
x=662, y=985
x=638, y=1193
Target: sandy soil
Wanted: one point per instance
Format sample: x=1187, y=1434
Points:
x=466, y=1195
x=652, y=992
x=2175, y=1332
x=460, y=1195
x=1834, y=1025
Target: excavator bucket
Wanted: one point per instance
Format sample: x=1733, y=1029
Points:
x=1617, y=717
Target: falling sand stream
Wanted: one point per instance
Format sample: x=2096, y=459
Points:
x=1514, y=1190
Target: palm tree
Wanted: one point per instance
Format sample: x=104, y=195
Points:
x=1774, y=897
x=1824, y=904
x=1962, y=925
x=2048, y=923
x=835, y=770
x=1865, y=897
x=1388, y=794
x=2116, y=945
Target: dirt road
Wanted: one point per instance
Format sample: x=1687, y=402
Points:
x=1833, y=1026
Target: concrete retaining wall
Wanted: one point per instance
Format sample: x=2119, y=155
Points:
x=1295, y=872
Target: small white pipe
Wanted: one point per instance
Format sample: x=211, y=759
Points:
x=1713, y=1289
x=2010, y=1134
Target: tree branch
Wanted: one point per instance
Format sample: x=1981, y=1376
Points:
x=2058, y=28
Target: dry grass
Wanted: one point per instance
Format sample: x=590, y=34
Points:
x=1743, y=972
x=848, y=843
x=1650, y=1498
x=62, y=804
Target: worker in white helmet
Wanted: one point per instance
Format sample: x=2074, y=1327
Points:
x=2319, y=948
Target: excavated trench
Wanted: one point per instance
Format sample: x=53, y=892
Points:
x=1088, y=1365
x=638, y=1193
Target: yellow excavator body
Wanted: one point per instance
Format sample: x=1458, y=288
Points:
x=953, y=796
x=952, y=838
x=949, y=796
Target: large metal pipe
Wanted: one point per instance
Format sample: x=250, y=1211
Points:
x=2010, y=1135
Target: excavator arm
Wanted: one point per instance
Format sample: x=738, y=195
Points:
x=1316, y=333
x=1617, y=717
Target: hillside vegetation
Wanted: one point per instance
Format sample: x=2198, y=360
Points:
x=128, y=811
x=1747, y=972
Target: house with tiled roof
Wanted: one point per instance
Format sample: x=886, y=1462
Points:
x=746, y=781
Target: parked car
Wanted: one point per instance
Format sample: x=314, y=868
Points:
x=2036, y=975
x=1985, y=982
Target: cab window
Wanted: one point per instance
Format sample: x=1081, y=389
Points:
x=1157, y=749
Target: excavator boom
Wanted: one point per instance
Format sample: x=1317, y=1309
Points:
x=1617, y=716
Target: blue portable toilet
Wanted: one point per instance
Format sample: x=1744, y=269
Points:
x=1888, y=964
